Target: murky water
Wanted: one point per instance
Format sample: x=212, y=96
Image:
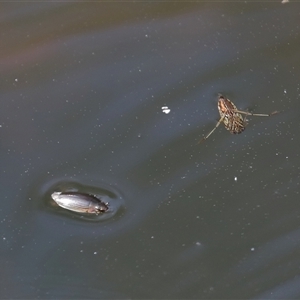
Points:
x=112, y=98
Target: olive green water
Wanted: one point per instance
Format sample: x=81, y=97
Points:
x=83, y=91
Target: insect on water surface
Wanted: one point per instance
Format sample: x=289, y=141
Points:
x=79, y=202
x=232, y=117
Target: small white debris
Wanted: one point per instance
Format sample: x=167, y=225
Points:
x=285, y=1
x=252, y=249
x=16, y=80
x=165, y=109
x=235, y=178
x=284, y=91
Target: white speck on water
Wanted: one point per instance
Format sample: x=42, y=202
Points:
x=285, y=91
x=235, y=178
x=16, y=80
x=95, y=252
x=252, y=249
x=165, y=109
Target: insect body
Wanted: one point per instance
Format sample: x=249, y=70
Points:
x=232, y=117
x=78, y=202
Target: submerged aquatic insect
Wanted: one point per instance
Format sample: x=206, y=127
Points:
x=232, y=117
x=79, y=202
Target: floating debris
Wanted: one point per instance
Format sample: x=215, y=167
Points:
x=165, y=109
x=79, y=202
x=232, y=117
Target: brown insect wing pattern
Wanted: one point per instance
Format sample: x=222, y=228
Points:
x=232, y=120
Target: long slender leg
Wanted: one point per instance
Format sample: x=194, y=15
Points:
x=245, y=121
x=257, y=115
x=204, y=138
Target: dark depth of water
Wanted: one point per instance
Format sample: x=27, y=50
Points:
x=82, y=91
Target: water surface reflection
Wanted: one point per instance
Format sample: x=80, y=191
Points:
x=83, y=86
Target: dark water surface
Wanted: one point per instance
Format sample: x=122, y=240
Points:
x=82, y=91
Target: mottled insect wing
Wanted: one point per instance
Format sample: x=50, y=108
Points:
x=233, y=121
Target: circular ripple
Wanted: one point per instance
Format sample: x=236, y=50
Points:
x=107, y=194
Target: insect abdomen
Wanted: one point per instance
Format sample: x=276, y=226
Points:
x=235, y=125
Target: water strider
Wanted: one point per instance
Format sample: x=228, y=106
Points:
x=232, y=117
x=79, y=202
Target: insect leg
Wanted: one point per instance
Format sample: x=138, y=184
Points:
x=256, y=115
x=204, y=138
x=245, y=121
